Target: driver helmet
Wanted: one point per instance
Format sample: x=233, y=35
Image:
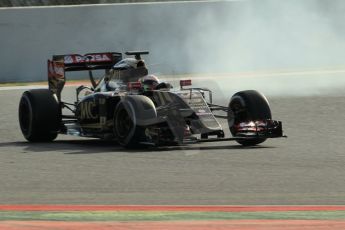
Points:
x=149, y=82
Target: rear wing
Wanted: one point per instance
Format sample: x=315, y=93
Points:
x=60, y=64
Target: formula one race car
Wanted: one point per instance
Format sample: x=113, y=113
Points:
x=135, y=108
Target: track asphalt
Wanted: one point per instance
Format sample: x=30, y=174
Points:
x=307, y=169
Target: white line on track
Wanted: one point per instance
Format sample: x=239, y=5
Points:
x=18, y=87
x=119, y=4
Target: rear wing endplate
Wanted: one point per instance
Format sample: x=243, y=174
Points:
x=60, y=64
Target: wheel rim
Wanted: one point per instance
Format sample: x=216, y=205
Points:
x=239, y=112
x=124, y=123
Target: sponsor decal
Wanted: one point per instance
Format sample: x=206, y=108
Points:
x=86, y=110
x=185, y=82
x=203, y=114
x=56, y=69
x=75, y=59
x=68, y=59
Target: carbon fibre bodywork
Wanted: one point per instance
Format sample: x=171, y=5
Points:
x=116, y=107
x=171, y=114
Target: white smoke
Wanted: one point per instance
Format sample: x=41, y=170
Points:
x=290, y=47
x=261, y=37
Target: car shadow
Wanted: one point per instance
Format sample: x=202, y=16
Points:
x=94, y=146
x=85, y=146
x=218, y=147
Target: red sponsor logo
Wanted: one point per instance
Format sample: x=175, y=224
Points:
x=185, y=82
x=134, y=85
x=75, y=58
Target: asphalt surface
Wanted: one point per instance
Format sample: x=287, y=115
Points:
x=306, y=168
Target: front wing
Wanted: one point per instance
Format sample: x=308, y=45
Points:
x=248, y=131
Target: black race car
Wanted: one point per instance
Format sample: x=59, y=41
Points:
x=119, y=106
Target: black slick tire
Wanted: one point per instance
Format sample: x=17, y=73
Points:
x=249, y=105
x=39, y=115
x=125, y=128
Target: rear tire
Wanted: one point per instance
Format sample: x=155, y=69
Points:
x=249, y=105
x=39, y=115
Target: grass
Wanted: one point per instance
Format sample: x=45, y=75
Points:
x=168, y=215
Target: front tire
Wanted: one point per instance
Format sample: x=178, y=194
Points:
x=249, y=105
x=39, y=115
x=126, y=131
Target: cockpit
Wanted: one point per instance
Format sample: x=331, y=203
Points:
x=126, y=70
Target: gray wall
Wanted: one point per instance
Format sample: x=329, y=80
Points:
x=227, y=36
x=29, y=36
